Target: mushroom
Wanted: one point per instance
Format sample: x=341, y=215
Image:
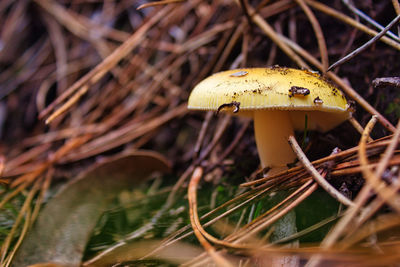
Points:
x=279, y=99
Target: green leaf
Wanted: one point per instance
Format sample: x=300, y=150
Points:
x=64, y=226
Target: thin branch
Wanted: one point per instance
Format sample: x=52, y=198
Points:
x=158, y=3
x=316, y=175
x=346, y=19
x=369, y=19
x=366, y=45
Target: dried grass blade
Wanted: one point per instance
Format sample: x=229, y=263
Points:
x=366, y=45
x=24, y=230
x=25, y=210
x=272, y=215
x=108, y=63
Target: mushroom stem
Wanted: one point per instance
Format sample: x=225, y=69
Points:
x=272, y=129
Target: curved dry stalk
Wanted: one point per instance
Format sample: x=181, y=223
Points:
x=343, y=224
x=389, y=152
x=194, y=219
x=245, y=201
x=200, y=228
x=318, y=34
x=202, y=235
x=316, y=175
x=373, y=179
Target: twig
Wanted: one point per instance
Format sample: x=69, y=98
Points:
x=387, y=81
x=158, y=3
x=194, y=220
x=366, y=45
x=316, y=175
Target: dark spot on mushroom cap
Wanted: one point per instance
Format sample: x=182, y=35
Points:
x=234, y=104
x=318, y=101
x=298, y=91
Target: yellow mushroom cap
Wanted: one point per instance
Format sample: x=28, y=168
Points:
x=300, y=92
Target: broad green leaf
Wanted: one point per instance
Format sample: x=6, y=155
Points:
x=64, y=226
